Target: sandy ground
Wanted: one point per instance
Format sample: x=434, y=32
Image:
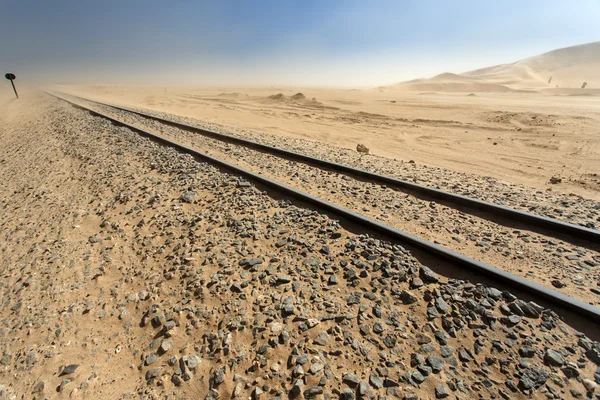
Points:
x=131, y=271
x=542, y=258
x=524, y=138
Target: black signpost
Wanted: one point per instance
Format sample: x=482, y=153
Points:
x=11, y=78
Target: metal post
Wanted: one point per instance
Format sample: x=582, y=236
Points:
x=14, y=88
x=11, y=78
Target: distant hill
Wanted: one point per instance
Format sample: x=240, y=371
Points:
x=569, y=68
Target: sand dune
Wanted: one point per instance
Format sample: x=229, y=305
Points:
x=565, y=68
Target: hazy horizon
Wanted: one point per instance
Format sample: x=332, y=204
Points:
x=299, y=43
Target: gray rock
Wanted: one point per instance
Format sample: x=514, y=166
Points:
x=378, y=328
x=446, y=351
x=322, y=339
x=526, y=309
x=288, y=308
x=423, y=339
x=436, y=363
x=441, y=305
x=558, y=284
x=62, y=385
x=191, y=361
x=363, y=388
x=296, y=390
x=302, y=359
x=5, y=360
x=416, y=283
x=532, y=378
x=441, y=391
x=527, y=351
x=553, y=358
x=254, y=261
x=593, y=353
x=313, y=391
x=39, y=388
x=213, y=394
x=237, y=288
x=416, y=359
x=315, y=368
x=375, y=381
x=151, y=359
x=390, y=341
x=441, y=337
x=390, y=383
x=428, y=275
x=464, y=356
x=187, y=197
x=157, y=320
x=69, y=369
x=361, y=148
x=282, y=279
x=218, y=377
x=350, y=379
x=165, y=346
x=407, y=297
x=418, y=377
x=153, y=373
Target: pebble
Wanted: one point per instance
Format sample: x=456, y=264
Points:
x=375, y=381
x=69, y=369
x=553, y=358
x=407, y=297
x=153, y=373
x=590, y=385
x=313, y=391
x=428, y=275
x=441, y=391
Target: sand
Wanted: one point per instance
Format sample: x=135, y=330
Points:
x=539, y=258
x=132, y=271
x=522, y=122
x=113, y=246
x=555, y=71
x=517, y=137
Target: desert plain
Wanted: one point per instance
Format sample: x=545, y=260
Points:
x=130, y=270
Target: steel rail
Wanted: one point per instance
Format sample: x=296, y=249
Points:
x=532, y=220
x=577, y=306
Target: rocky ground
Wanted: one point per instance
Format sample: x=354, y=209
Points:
x=558, y=264
x=131, y=271
x=566, y=207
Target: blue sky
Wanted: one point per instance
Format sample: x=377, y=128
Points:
x=340, y=43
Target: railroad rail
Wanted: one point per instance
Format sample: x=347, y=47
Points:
x=573, y=305
x=533, y=222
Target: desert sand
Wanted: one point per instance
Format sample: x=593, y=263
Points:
x=560, y=71
x=526, y=132
x=130, y=270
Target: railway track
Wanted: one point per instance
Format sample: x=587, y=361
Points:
x=535, y=290
x=497, y=213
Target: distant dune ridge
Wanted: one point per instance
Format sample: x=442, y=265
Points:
x=561, y=71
